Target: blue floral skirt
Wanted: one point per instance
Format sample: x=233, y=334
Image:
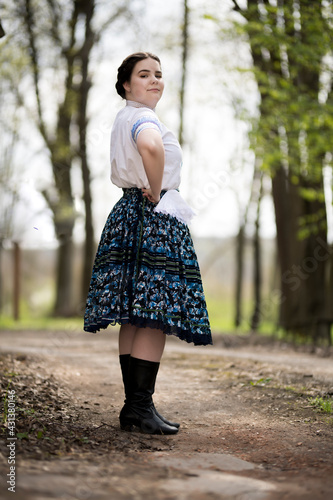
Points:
x=146, y=273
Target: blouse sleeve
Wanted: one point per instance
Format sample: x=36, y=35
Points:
x=144, y=120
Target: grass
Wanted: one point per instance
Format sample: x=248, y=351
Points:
x=220, y=316
x=324, y=405
x=40, y=323
x=261, y=382
x=221, y=310
x=5, y=405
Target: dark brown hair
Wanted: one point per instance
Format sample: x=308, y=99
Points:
x=126, y=68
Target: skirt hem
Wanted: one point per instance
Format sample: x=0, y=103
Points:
x=187, y=336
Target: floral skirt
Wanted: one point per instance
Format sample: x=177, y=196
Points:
x=146, y=273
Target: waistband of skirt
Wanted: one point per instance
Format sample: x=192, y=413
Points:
x=135, y=190
x=170, y=203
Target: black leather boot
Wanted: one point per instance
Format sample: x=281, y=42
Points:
x=124, y=360
x=138, y=409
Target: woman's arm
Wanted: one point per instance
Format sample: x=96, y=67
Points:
x=151, y=149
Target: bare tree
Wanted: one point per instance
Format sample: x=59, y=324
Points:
x=57, y=38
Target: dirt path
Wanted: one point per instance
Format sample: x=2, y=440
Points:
x=248, y=430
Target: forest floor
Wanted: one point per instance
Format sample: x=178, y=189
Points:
x=251, y=428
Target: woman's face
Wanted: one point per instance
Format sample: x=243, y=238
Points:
x=146, y=84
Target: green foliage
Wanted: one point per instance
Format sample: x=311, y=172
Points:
x=295, y=124
x=5, y=404
x=27, y=322
x=324, y=405
x=290, y=44
x=312, y=223
x=261, y=382
x=22, y=435
x=27, y=411
x=220, y=313
x=14, y=62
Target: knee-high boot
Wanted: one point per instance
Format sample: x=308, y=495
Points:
x=138, y=409
x=124, y=360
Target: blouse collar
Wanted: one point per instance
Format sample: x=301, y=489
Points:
x=136, y=104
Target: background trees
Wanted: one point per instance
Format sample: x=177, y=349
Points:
x=290, y=45
x=55, y=40
x=51, y=56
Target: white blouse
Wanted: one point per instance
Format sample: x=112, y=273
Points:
x=127, y=168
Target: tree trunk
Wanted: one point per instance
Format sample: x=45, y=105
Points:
x=257, y=273
x=64, y=300
x=89, y=246
x=240, y=244
x=281, y=207
x=64, y=220
x=16, y=280
x=1, y=277
x=184, y=73
x=2, y=31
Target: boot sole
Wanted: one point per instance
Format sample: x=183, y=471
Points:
x=131, y=427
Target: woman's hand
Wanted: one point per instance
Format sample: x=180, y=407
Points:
x=147, y=193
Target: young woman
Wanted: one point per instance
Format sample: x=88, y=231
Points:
x=146, y=276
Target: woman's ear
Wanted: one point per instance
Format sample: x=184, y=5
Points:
x=127, y=86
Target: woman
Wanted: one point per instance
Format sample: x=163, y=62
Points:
x=146, y=276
